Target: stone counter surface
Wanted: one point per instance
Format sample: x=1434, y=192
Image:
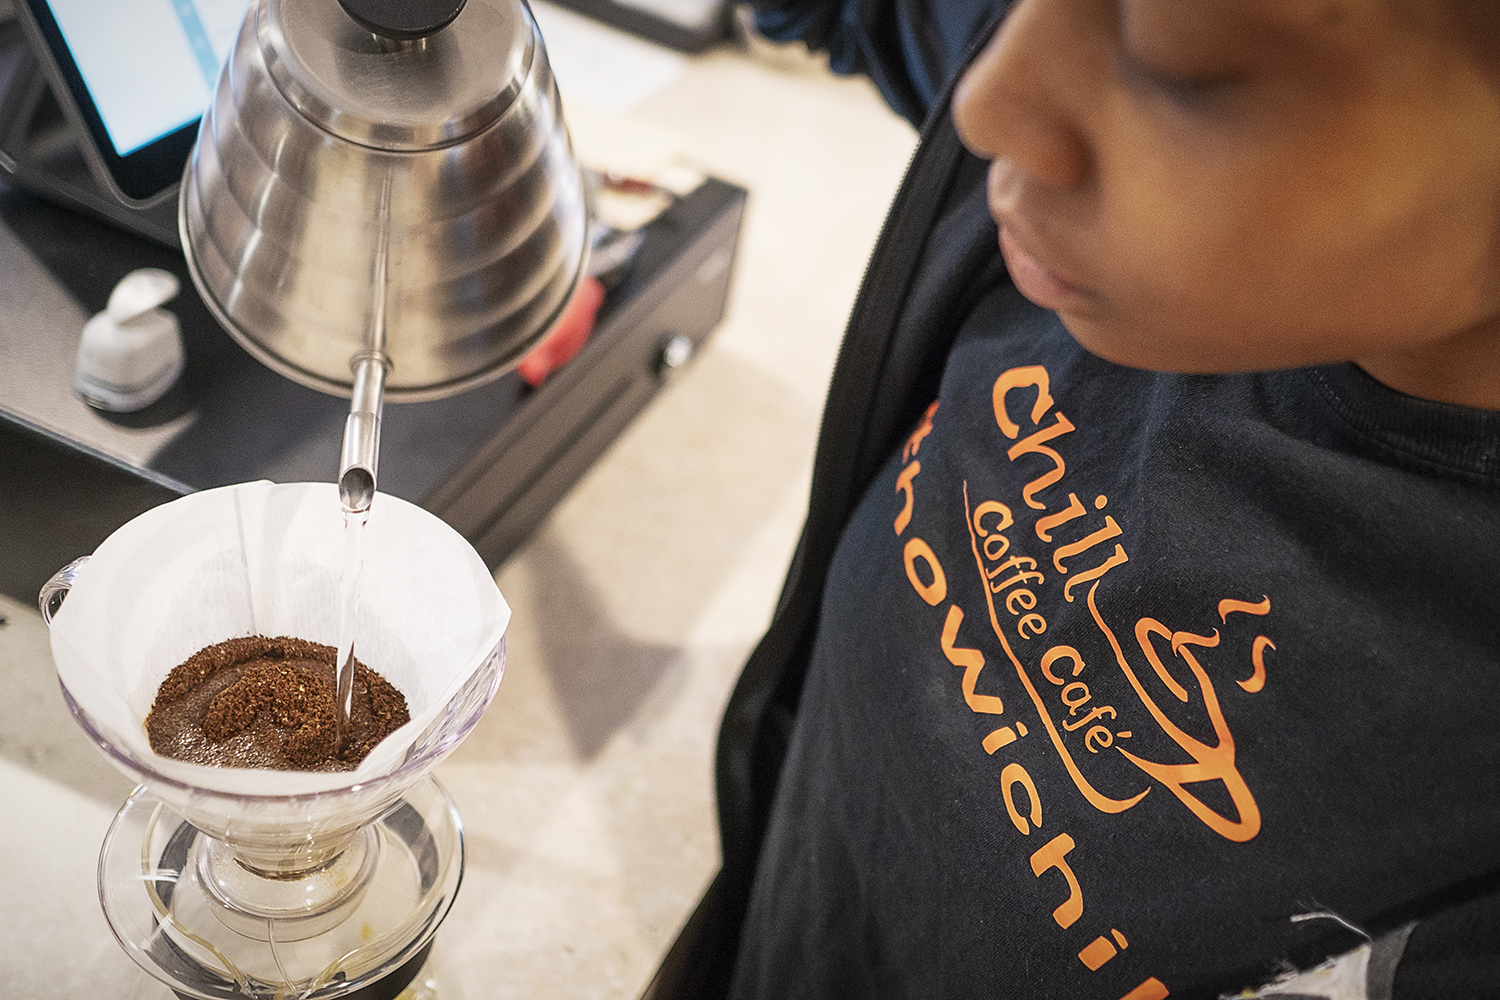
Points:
x=586, y=790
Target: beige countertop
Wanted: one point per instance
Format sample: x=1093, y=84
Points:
x=586, y=790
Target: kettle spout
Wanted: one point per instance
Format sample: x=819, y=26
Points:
x=360, y=456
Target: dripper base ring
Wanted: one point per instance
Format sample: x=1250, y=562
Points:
x=356, y=944
x=252, y=903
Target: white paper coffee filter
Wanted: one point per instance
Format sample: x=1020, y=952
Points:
x=266, y=559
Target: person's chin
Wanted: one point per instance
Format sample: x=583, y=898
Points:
x=1036, y=280
x=1088, y=317
x=1105, y=339
x=1129, y=347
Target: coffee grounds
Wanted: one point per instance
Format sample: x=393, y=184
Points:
x=269, y=703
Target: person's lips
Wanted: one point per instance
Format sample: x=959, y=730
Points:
x=1036, y=280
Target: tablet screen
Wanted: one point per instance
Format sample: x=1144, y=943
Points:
x=150, y=66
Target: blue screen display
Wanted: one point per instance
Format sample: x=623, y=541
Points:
x=150, y=65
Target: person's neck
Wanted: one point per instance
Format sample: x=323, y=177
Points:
x=1462, y=369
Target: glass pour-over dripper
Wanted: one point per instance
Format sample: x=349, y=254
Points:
x=227, y=882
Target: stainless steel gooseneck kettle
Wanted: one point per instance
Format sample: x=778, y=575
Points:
x=383, y=200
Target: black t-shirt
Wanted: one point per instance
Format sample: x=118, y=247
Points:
x=1129, y=685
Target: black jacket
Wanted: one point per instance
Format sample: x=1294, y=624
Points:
x=936, y=252
x=887, y=371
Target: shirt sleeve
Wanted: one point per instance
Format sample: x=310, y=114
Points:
x=908, y=48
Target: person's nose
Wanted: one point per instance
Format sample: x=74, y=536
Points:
x=1017, y=102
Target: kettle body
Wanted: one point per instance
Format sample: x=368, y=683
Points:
x=417, y=199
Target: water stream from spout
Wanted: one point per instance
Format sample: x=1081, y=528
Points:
x=354, y=532
x=357, y=469
x=358, y=461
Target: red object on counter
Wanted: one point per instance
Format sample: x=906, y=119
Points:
x=567, y=336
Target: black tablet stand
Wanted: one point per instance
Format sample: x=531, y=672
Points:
x=39, y=148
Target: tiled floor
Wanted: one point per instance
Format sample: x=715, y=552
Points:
x=586, y=789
